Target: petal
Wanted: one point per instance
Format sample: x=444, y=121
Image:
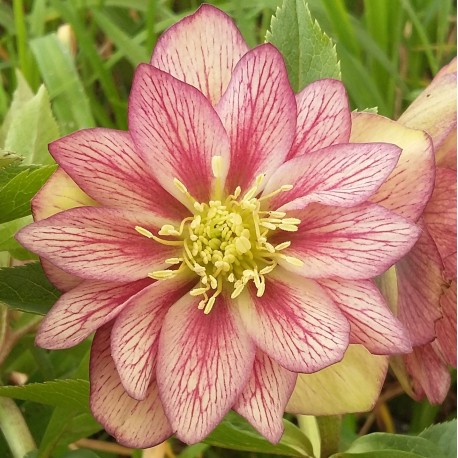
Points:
x=105, y=164
x=177, y=132
x=98, y=243
x=81, y=311
x=204, y=363
x=202, y=50
x=341, y=175
x=138, y=424
x=440, y=214
x=258, y=111
x=420, y=284
x=135, y=334
x=59, y=193
x=408, y=188
x=353, y=385
x=323, y=117
x=446, y=326
x=295, y=323
x=371, y=321
x=264, y=397
x=430, y=375
x=352, y=243
x=59, y=278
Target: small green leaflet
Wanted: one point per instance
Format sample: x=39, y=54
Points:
x=26, y=288
x=444, y=436
x=308, y=52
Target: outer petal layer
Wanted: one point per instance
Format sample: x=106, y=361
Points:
x=81, y=311
x=323, y=117
x=177, y=132
x=135, y=334
x=341, y=175
x=295, y=323
x=352, y=243
x=342, y=388
x=408, y=188
x=105, y=164
x=446, y=327
x=204, y=363
x=264, y=397
x=138, y=424
x=372, y=323
x=201, y=50
x=98, y=243
x=258, y=111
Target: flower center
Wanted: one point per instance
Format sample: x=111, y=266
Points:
x=226, y=242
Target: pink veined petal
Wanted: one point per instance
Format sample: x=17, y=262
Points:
x=446, y=326
x=371, y=322
x=135, y=334
x=265, y=396
x=258, y=111
x=138, y=424
x=420, y=286
x=342, y=175
x=98, y=243
x=59, y=193
x=440, y=214
x=295, y=323
x=430, y=375
x=202, y=50
x=105, y=164
x=352, y=243
x=409, y=187
x=204, y=363
x=177, y=132
x=59, y=278
x=323, y=117
x=79, y=312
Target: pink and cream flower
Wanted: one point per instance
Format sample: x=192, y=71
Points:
x=220, y=247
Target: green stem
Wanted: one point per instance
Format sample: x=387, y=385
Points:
x=15, y=429
x=329, y=427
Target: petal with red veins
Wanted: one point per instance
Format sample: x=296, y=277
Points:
x=177, y=132
x=258, y=111
x=139, y=424
x=446, y=326
x=420, y=284
x=135, y=334
x=323, y=117
x=440, y=213
x=105, y=164
x=341, y=175
x=409, y=187
x=202, y=50
x=295, y=322
x=353, y=243
x=264, y=397
x=371, y=322
x=430, y=375
x=59, y=193
x=99, y=243
x=203, y=365
x=62, y=280
x=81, y=311
x=352, y=385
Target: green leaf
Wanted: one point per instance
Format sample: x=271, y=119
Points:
x=444, y=436
x=308, y=52
x=382, y=444
x=10, y=244
x=26, y=288
x=81, y=453
x=236, y=433
x=32, y=128
x=16, y=193
x=70, y=393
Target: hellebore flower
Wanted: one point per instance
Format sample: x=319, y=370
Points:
x=422, y=287
x=222, y=245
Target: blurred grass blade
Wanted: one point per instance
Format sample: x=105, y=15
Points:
x=70, y=103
